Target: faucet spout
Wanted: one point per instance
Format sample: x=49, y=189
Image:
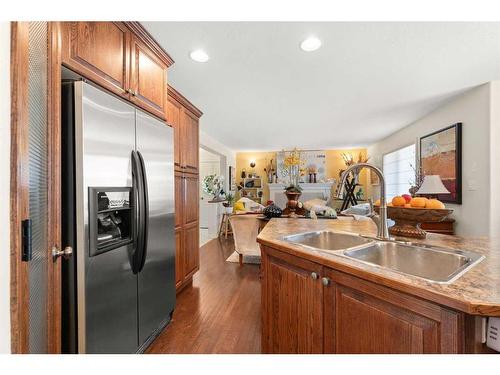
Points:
x=383, y=230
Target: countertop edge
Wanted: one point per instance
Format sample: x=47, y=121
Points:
x=441, y=299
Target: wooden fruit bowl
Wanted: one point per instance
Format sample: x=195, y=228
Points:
x=408, y=220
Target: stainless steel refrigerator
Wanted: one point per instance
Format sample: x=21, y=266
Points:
x=118, y=215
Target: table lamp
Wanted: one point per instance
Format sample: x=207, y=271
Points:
x=432, y=186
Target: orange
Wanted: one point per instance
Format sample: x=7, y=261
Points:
x=398, y=201
x=434, y=204
x=418, y=202
x=407, y=205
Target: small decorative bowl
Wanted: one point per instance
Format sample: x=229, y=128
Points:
x=272, y=211
x=408, y=220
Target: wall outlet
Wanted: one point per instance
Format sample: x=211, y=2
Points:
x=472, y=185
x=493, y=334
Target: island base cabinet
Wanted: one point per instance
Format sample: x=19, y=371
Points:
x=363, y=317
x=291, y=301
x=310, y=308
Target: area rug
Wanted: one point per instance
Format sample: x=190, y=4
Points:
x=249, y=259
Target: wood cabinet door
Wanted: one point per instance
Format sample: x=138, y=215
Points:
x=367, y=325
x=148, y=79
x=99, y=51
x=292, y=303
x=191, y=249
x=362, y=318
x=173, y=118
x=189, y=141
x=191, y=200
x=179, y=258
x=179, y=199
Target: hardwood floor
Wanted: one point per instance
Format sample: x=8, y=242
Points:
x=220, y=313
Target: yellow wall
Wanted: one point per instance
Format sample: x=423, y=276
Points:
x=334, y=163
x=262, y=159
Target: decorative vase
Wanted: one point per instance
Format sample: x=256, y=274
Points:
x=272, y=211
x=229, y=209
x=413, y=191
x=293, y=201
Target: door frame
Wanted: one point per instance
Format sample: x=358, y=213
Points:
x=223, y=170
x=19, y=186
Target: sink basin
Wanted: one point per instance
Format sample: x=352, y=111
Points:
x=433, y=264
x=328, y=240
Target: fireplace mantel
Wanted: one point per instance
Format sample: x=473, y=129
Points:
x=309, y=191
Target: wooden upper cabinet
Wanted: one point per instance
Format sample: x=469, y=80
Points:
x=173, y=118
x=292, y=302
x=148, y=79
x=190, y=141
x=121, y=57
x=184, y=117
x=99, y=51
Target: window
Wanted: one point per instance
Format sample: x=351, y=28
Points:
x=398, y=171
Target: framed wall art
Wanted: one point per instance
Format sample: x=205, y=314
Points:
x=441, y=154
x=232, y=178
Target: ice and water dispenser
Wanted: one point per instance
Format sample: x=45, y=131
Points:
x=110, y=218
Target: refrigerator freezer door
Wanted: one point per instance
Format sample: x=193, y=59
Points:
x=107, y=304
x=157, y=278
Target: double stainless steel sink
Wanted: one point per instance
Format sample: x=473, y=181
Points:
x=435, y=264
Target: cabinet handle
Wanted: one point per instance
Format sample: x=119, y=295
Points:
x=66, y=253
x=314, y=275
x=132, y=92
x=325, y=281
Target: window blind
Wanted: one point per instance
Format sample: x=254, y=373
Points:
x=398, y=171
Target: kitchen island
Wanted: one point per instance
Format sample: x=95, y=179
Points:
x=316, y=301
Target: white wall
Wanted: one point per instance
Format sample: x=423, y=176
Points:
x=472, y=109
x=4, y=187
x=212, y=144
x=495, y=160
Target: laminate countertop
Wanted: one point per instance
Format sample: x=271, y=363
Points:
x=476, y=292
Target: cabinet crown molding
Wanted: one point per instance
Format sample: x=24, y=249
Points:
x=146, y=38
x=176, y=95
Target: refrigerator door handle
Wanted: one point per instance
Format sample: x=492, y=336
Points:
x=145, y=212
x=137, y=182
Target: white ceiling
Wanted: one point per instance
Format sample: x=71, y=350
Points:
x=259, y=91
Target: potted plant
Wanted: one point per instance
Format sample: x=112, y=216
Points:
x=228, y=204
x=213, y=185
x=292, y=164
x=417, y=182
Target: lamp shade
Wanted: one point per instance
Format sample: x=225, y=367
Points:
x=432, y=184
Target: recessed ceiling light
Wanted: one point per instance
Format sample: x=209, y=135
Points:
x=199, y=55
x=310, y=44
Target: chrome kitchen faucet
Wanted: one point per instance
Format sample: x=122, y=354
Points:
x=381, y=218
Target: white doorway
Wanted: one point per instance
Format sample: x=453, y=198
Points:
x=210, y=163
